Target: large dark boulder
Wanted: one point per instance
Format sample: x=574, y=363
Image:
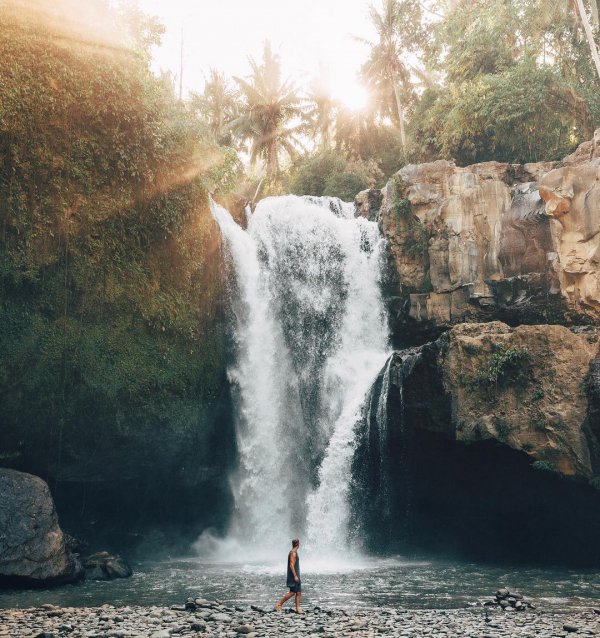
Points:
x=33, y=548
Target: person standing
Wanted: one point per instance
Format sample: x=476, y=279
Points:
x=293, y=578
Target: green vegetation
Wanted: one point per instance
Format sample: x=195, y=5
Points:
x=538, y=394
x=503, y=428
x=595, y=482
x=333, y=173
x=544, y=466
x=520, y=84
x=506, y=80
x=109, y=289
x=506, y=366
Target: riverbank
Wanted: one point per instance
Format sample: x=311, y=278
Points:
x=214, y=619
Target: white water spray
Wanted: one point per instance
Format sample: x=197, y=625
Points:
x=310, y=337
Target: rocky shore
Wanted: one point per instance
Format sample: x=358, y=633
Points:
x=214, y=619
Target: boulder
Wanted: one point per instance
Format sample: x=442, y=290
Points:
x=33, y=549
x=105, y=566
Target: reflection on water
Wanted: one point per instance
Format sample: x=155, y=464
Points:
x=376, y=583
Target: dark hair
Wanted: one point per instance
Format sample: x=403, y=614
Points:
x=295, y=542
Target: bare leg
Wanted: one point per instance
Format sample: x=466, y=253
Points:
x=284, y=600
x=298, y=597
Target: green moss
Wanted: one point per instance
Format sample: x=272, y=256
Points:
x=595, y=482
x=502, y=427
x=538, y=394
x=544, y=466
x=507, y=366
x=109, y=281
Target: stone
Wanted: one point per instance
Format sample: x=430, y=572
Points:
x=368, y=204
x=105, y=566
x=33, y=549
x=490, y=241
x=220, y=617
x=571, y=628
x=543, y=418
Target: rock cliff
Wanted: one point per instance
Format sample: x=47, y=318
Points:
x=531, y=388
x=490, y=241
x=481, y=442
x=524, y=387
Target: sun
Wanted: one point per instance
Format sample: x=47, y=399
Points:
x=352, y=94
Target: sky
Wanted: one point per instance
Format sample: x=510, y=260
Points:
x=312, y=37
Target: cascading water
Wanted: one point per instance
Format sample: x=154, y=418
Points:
x=380, y=465
x=310, y=336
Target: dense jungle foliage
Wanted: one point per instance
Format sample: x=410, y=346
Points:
x=109, y=286
x=505, y=80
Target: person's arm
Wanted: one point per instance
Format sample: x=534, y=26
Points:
x=293, y=566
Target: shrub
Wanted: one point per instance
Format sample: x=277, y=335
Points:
x=507, y=365
x=333, y=173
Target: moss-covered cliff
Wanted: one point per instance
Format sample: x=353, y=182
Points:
x=111, y=352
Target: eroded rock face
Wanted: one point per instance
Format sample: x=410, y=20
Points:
x=490, y=241
x=525, y=387
x=572, y=203
x=33, y=548
x=534, y=389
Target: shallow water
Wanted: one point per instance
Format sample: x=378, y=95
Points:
x=367, y=585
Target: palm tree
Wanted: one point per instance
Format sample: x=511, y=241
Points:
x=321, y=113
x=268, y=112
x=399, y=31
x=217, y=105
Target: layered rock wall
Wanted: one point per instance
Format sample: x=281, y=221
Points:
x=490, y=241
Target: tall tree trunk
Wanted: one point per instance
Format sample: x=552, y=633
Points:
x=400, y=116
x=589, y=35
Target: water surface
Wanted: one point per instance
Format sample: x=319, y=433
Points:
x=391, y=582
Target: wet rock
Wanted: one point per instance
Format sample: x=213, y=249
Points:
x=33, y=548
x=105, y=566
x=368, y=204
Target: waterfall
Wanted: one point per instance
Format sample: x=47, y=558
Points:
x=309, y=336
x=380, y=464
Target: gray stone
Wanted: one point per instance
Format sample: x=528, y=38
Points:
x=33, y=548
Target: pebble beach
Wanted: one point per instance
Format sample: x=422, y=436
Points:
x=210, y=618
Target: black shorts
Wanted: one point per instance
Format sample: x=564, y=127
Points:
x=296, y=588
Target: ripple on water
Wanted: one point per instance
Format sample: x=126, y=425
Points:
x=391, y=583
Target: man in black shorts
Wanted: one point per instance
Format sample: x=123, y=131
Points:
x=293, y=577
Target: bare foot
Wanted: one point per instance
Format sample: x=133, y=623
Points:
x=278, y=607
x=299, y=612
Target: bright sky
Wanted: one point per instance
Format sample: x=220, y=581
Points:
x=305, y=33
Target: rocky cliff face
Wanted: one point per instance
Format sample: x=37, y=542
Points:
x=481, y=442
x=491, y=241
x=33, y=548
x=531, y=388
x=526, y=388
